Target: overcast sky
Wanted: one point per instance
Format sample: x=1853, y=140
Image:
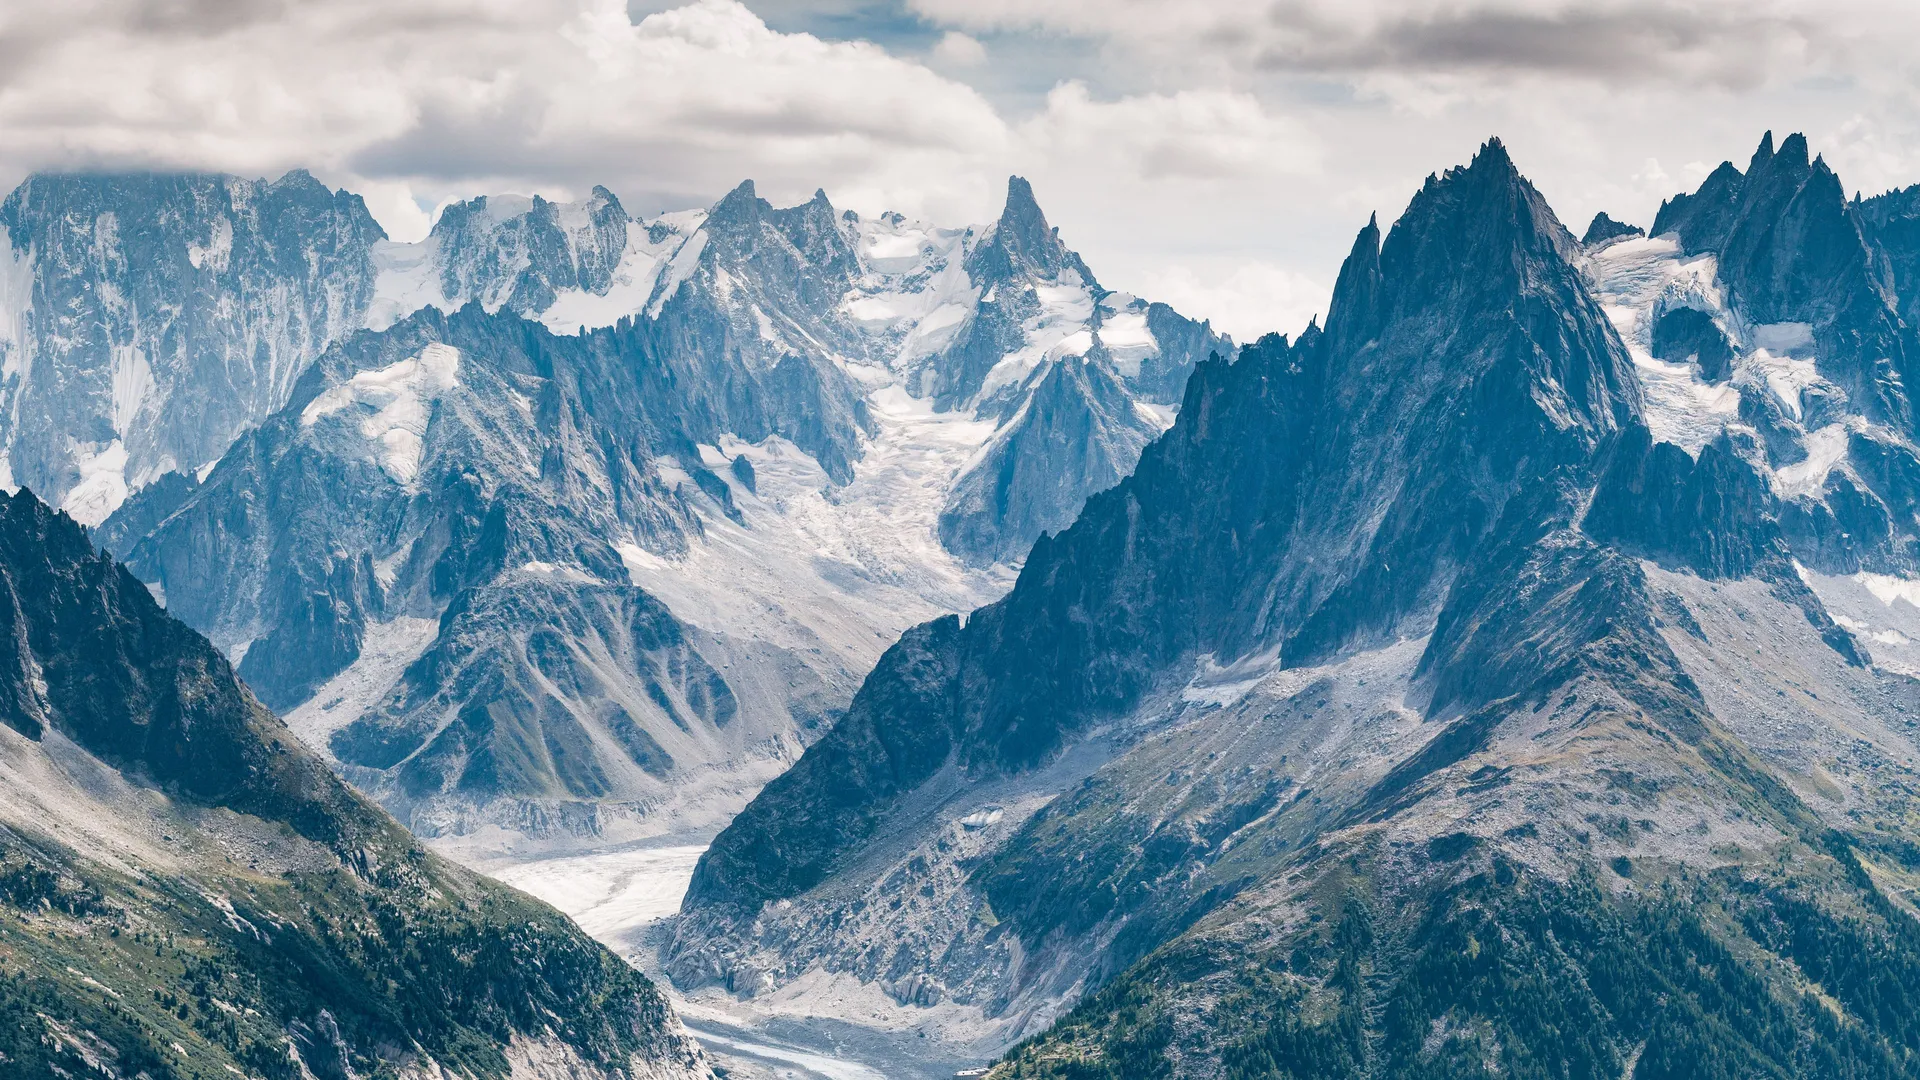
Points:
x=1217, y=154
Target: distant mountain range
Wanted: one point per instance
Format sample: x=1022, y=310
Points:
x=561, y=521
x=1515, y=676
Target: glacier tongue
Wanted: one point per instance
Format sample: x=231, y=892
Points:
x=848, y=567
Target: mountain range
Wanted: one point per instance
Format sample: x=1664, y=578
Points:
x=563, y=523
x=1513, y=676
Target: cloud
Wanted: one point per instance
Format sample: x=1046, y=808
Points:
x=1209, y=136
x=414, y=102
x=959, y=50
x=1242, y=298
x=452, y=96
x=1736, y=43
x=1219, y=151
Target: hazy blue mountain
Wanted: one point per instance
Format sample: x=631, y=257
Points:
x=149, y=319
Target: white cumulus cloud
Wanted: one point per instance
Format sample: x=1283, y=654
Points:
x=1218, y=151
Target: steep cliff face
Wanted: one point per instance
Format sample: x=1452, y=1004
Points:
x=149, y=319
x=1078, y=431
x=1792, y=253
x=752, y=299
x=1767, y=301
x=1892, y=223
x=184, y=887
x=1443, y=682
x=1050, y=355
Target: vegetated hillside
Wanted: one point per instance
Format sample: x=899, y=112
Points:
x=186, y=891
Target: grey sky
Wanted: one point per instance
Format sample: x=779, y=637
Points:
x=1218, y=154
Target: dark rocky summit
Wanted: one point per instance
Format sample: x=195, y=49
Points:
x=1689, y=335
x=1792, y=250
x=1236, y=533
x=1604, y=228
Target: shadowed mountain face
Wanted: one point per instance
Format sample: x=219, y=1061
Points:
x=1453, y=690
x=459, y=498
x=183, y=886
x=1791, y=250
x=1078, y=431
x=90, y=656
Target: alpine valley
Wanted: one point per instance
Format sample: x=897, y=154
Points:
x=1517, y=675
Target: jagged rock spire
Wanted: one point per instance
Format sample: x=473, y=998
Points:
x=1356, y=306
x=1604, y=228
x=1022, y=241
x=1309, y=498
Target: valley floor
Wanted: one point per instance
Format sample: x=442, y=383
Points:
x=619, y=896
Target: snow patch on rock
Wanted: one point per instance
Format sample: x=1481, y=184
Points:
x=396, y=403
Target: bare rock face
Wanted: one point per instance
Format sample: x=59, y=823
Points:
x=491, y=554
x=1226, y=520
x=150, y=319
x=1603, y=228
x=459, y=498
x=1792, y=250
x=1078, y=431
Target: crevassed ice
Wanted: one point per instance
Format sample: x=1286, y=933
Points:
x=102, y=487
x=1634, y=280
x=1784, y=339
x=396, y=401
x=1826, y=447
x=1123, y=330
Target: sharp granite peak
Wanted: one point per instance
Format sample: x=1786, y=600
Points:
x=188, y=889
x=1506, y=673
